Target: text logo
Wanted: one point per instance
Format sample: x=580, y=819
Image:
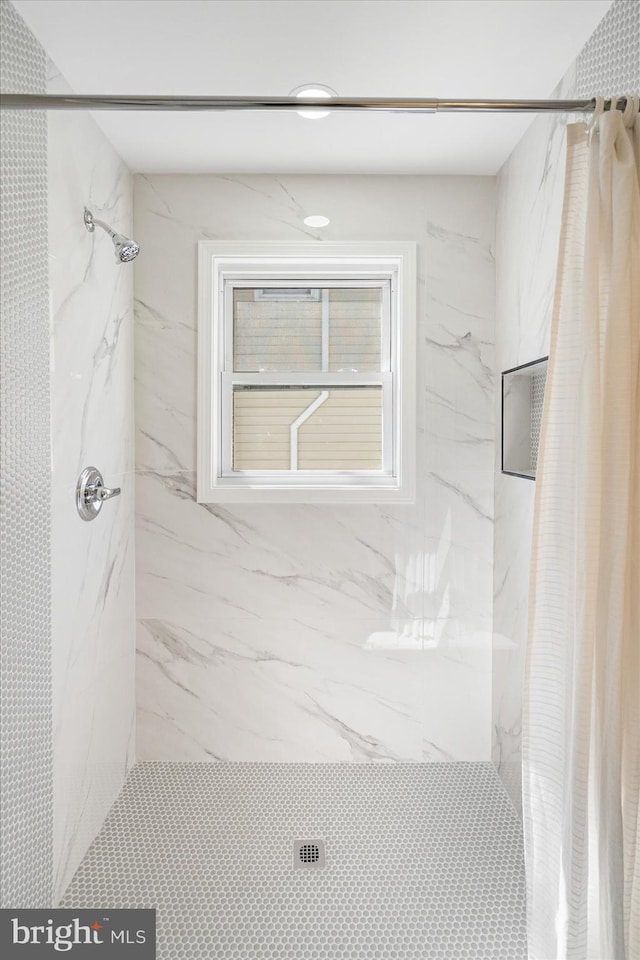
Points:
x=82, y=934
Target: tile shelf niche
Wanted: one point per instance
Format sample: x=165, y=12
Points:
x=522, y=399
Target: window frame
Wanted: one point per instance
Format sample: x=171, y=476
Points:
x=224, y=266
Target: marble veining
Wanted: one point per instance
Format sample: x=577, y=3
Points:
x=317, y=632
x=93, y=610
x=282, y=689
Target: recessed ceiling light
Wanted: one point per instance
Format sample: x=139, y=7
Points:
x=317, y=221
x=313, y=91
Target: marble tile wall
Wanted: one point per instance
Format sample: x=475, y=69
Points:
x=93, y=604
x=317, y=632
x=530, y=193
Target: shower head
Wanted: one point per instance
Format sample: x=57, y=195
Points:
x=126, y=249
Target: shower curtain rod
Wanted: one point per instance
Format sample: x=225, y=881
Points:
x=30, y=101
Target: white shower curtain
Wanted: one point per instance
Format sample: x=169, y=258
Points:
x=581, y=737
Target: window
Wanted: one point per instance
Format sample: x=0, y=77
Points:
x=306, y=360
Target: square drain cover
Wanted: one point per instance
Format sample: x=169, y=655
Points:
x=308, y=853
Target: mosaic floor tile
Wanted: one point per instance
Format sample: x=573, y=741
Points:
x=423, y=861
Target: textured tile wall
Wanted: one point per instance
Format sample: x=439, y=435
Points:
x=530, y=189
x=609, y=64
x=25, y=569
x=319, y=632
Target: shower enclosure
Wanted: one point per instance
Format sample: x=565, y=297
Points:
x=287, y=727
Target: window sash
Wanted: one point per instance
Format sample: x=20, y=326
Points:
x=321, y=380
x=312, y=379
x=387, y=349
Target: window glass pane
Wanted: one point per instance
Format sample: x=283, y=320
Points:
x=273, y=331
x=307, y=428
x=292, y=328
x=355, y=328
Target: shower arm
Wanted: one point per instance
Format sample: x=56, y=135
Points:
x=92, y=222
x=30, y=101
x=106, y=227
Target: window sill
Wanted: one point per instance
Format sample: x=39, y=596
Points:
x=307, y=494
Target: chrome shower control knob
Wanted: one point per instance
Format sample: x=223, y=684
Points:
x=91, y=493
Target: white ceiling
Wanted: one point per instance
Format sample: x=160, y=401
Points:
x=378, y=48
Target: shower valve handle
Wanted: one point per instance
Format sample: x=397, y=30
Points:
x=91, y=493
x=97, y=491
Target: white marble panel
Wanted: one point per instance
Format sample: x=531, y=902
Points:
x=93, y=670
x=457, y=697
x=279, y=690
x=285, y=571
x=93, y=601
x=166, y=357
x=459, y=444
x=91, y=301
x=295, y=560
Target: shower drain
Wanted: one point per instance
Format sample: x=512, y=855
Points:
x=308, y=853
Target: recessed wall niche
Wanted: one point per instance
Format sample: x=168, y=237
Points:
x=522, y=400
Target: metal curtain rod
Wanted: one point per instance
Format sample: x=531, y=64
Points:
x=30, y=101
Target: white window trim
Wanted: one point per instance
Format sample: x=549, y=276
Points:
x=274, y=262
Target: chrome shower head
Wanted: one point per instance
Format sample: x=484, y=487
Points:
x=126, y=250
